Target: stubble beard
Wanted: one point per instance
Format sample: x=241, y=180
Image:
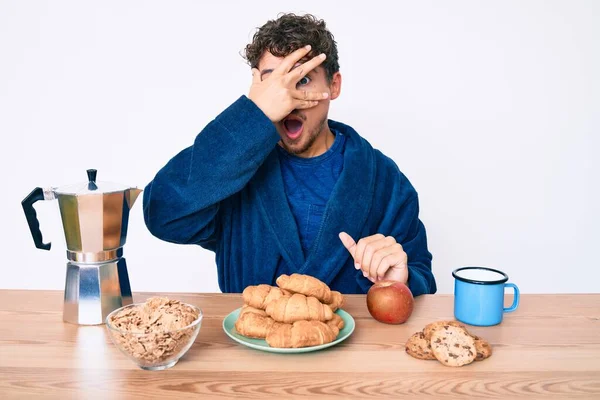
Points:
x=312, y=137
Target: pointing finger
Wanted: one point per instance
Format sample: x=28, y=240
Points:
x=348, y=243
x=361, y=246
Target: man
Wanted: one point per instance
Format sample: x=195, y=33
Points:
x=273, y=186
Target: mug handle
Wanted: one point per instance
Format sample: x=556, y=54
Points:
x=515, y=303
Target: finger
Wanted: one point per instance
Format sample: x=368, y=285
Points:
x=290, y=60
x=256, y=76
x=306, y=95
x=361, y=246
x=348, y=242
x=366, y=264
x=302, y=70
x=386, y=264
x=302, y=104
x=395, y=259
x=398, y=271
x=378, y=258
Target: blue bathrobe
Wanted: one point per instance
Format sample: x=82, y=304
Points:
x=226, y=194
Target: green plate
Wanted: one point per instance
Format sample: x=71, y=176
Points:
x=260, y=344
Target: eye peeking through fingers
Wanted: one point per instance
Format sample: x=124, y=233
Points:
x=304, y=81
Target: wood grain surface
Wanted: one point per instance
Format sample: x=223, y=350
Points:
x=549, y=348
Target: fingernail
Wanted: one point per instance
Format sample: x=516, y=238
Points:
x=365, y=274
x=357, y=265
x=323, y=56
x=325, y=95
x=308, y=47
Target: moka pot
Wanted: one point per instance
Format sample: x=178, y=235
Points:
x=94, y=216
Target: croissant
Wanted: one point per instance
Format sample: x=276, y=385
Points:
x=254, y=323
x=301, y=334
x=298, y=307
x=259, y=296
x=305, y=284
x=336, y=322
x=337, y=300
x=246, y=309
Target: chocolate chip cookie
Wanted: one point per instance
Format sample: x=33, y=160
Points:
x=419, y=347
x=453, y=346
x=429, y=328
x=484, y=349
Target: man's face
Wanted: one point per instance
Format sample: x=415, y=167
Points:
x=301, y=128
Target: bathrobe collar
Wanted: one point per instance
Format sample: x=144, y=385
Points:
x=346, y=210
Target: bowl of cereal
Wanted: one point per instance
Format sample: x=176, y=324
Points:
x=155, y=334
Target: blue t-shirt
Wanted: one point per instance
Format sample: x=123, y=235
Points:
x=308, y=184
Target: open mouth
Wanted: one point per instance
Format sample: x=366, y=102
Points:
x=293, y=126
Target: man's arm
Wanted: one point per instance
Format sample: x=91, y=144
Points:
x=181, y=202
x=402, y=255
x=420, y=277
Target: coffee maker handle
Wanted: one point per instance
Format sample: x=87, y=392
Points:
x=32, y=220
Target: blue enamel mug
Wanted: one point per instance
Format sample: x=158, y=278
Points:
x=479, y=295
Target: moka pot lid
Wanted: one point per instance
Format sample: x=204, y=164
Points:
x=91, y=187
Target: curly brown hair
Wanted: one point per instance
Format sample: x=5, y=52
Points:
x=289, y=32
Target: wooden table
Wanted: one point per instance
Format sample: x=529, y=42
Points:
x=548, y=348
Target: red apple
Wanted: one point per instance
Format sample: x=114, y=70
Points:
x=391, y=302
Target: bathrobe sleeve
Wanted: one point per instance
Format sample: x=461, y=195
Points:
x=397, y=205
x=414, y=243
x=182, y=202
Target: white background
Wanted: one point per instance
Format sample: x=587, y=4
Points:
x=492, y=109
